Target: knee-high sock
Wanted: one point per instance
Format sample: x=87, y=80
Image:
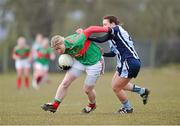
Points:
x=56, y=102
x=138, y=89
x=127, y=104
x=26, y=82
x=18, y=82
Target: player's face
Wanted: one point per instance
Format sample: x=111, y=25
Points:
x=45, y=43
x=106, y=23
x=39, y=38
x=60, y=48
x=21, y=42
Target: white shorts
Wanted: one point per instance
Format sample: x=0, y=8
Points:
x=39, y=66
x=22, y=63
x=93, y=72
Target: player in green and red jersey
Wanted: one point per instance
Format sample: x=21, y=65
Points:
x=21, y=55
x=87, y=57
x=41, y=65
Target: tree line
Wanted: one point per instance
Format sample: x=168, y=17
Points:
x=154, y=20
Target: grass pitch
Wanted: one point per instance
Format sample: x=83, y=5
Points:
x=23, y=107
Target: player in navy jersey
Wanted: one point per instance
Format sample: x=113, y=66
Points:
x=128, y=62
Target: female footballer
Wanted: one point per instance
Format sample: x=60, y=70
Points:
x=128, y=62
x=41, y=65
x=21, y=55
x=87, y=57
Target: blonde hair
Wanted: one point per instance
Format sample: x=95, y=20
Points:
x=57, y=40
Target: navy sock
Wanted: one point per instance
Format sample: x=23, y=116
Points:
x=126, y=104
x=138, y=89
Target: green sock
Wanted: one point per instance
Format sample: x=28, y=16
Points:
x=58, y=100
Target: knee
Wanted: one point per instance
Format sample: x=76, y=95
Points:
x=87, y=90
x=116, y=88
x=65, y=84
x=26, y=74
x=19, y=74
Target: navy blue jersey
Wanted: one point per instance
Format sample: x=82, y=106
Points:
x=122, y=44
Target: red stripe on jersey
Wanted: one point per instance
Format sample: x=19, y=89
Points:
x=84, y=49
x=39, y=54
x=26, y=54
x=47, y=56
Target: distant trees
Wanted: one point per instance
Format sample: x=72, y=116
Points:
x=154, y=17
x=152, y=20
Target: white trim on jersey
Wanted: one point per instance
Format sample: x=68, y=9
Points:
x=127, y=46
x=129, y=42
x=114, y=49
x=124, y=72
x=112, y=31
x=127, y=66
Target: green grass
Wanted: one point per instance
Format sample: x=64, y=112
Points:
x=23, y=107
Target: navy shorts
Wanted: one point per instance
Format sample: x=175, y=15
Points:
x=130, y=68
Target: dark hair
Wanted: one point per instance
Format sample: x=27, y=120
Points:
x=112, y=19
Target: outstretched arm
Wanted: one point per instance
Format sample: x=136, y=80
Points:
x=100, y=39
x=94, y=29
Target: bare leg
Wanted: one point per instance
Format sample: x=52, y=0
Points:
x=91, y=93
x=63, y=87
x=60, y=93
x=118, y=84
x=45, y=77
x=135, y=88
x=37, y=77
x=128, y=87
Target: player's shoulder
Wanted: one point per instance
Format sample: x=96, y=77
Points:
x=75, y=38
x=116, y=29
x=121, y=30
